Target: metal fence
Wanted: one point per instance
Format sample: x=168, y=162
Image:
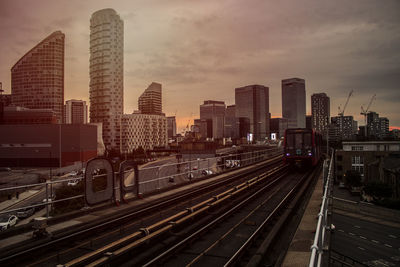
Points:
x=150, y=179
x=170, y=174
x=320, y=239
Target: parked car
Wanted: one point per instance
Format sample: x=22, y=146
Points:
x=73, y=182
x=7, y=221
x=72, y=174
x=26, y=212
x=39, y=207
x=5, y=169
x=81, y=172
x=50, y=199
x=206, y=172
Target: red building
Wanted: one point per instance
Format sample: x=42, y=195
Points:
x=37, y=79
x=44, y=145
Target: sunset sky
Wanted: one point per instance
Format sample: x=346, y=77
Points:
x=201, y=50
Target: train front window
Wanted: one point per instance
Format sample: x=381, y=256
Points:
x=289, y=141
x=307, y=141
x=299, y=140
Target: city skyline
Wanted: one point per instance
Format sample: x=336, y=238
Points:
x=336, y=48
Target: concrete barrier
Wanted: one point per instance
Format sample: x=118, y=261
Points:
x=368, y=209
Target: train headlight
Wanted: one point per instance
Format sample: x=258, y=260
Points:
x=287, y=154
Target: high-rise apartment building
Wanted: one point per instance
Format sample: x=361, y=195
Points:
x=75, y=112
x=37, y=79
x=377, y=127
x=343, y=128
x=252, y=102
x=171, y=126
x=143, y=130
x=215, y=111
x=320, y=112
x=294, y=102
x=106, y=74
x=150, y=102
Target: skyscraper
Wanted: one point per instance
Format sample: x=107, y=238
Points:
x=252, y=102
x=231, y=129
x=294, y=102
x=320, y=112
x=106, y=73
x=377, y=127
x=75, y=112
x=215, y=111
x=171, y=126
x=143, y=130
x=345, y=127
x=37, y=79
x=150, y=101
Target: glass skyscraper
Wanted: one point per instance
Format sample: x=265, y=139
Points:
x=252, y=102
x=294, y=102
x=37, y=79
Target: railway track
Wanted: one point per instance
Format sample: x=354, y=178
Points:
x=251, y=223
x=81, y=240
x=117, y=252
x=180, y=239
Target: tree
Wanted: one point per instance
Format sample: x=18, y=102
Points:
x=353, y=178
x=378, y=190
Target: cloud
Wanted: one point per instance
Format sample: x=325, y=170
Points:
x=204, y=49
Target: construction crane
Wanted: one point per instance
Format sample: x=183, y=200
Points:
x=365, y=112
x=341, y=112
x=188, y=124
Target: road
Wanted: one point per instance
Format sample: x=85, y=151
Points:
x=367, y=242
x=164, y=173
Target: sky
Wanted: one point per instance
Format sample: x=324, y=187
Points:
x=203, y=50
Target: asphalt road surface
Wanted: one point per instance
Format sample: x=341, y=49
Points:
x=367, y=242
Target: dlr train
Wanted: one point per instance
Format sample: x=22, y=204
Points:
x=302, y=147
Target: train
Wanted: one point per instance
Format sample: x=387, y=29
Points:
x=302, y=147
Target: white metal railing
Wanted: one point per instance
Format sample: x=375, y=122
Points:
x=320, y=238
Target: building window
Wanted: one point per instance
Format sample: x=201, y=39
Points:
x=357, y=160
x=357, y=164
x=357, y=148
x=359, y=169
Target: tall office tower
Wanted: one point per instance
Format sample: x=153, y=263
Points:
x=171, y=126
x=309, y=122
x=75, y=112
x=320, y=112
x=294, y=102
x=150, y=102
x=231, y=129
x=252, y=102
x=214, y=110
x=106, y=74
x=37, y=79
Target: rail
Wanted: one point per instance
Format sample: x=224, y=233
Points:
x=322, y=226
